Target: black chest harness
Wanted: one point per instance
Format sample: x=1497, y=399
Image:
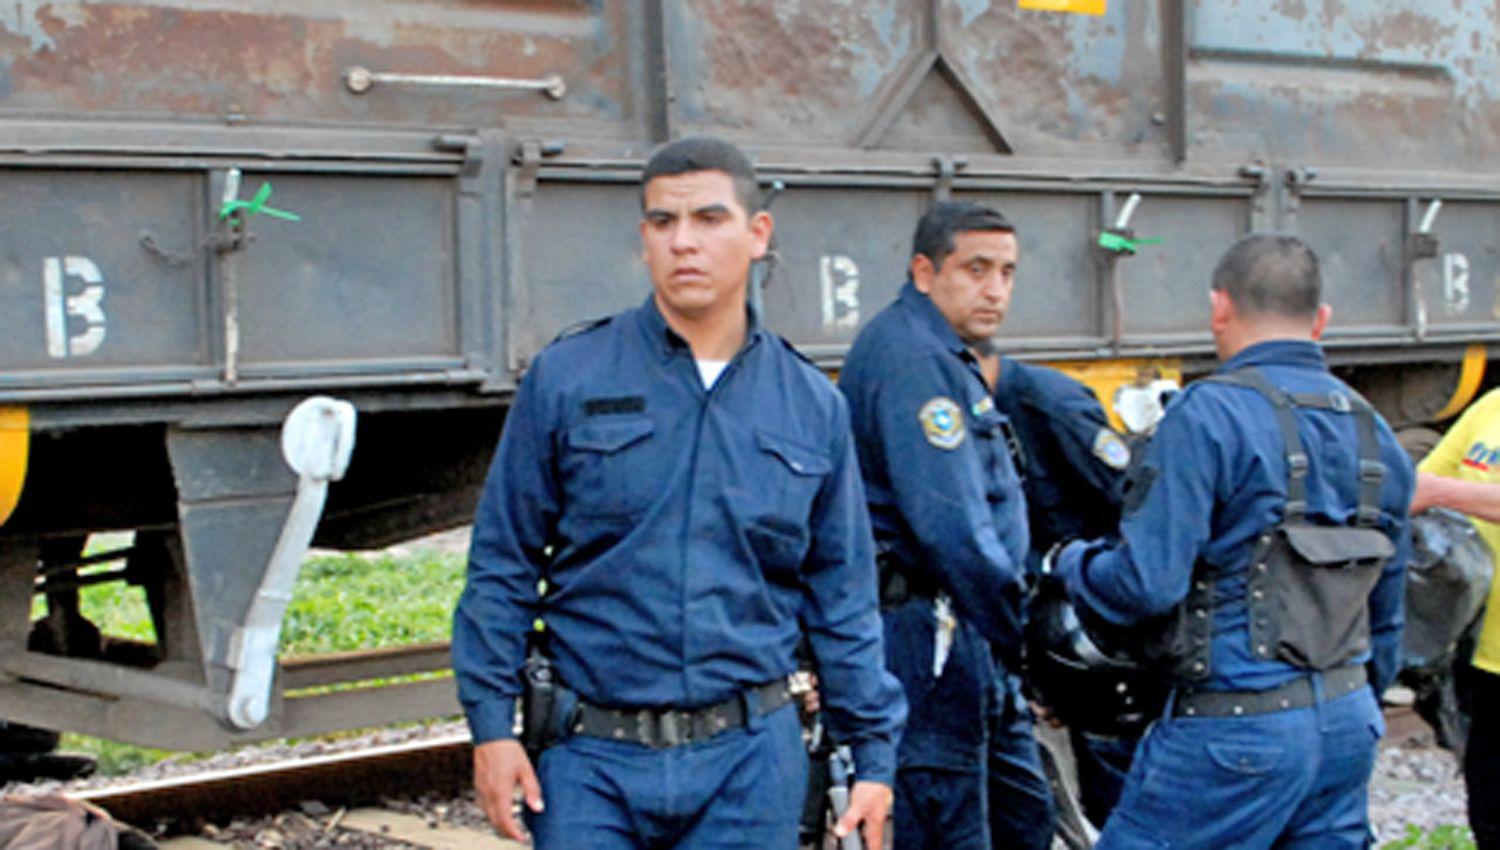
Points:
x=1308, y=588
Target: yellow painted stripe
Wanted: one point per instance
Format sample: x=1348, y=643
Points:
x=1105, y=377
x=1476, y=356
x=15, y=442
x=1079, y=7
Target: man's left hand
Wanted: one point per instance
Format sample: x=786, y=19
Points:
x=869, y=806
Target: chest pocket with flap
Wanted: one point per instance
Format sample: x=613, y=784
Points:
x=604, y=469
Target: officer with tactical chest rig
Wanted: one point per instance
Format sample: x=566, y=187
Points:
x=1262, y=543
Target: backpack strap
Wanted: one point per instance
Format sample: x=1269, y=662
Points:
x=1371, y=468
x=1296, y=454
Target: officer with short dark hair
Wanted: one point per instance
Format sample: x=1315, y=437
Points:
x=1262, y=544
x=948, y=513
x=675, y=501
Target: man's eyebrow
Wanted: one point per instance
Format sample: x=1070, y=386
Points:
x=711, y=208
x=658, y=212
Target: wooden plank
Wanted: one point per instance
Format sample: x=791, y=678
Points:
x=414, y=830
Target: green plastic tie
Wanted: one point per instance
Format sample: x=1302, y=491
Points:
x=1116, y=242
x=257, y=205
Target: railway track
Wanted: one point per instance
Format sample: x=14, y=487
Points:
x=380, y=797
x=320, y=801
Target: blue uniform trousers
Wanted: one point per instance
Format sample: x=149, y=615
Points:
x=1020, y=797
x=1293, y=779
x=940, y=800
x=939, y=809
x=1103, y=764
x=742, y=789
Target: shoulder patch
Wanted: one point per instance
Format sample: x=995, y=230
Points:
x=582, y=327
x=942, y=422
x=1111, y=450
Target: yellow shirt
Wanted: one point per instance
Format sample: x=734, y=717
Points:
x=1470, y=451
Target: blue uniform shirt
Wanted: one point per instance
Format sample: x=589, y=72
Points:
x=688, y=536
x=945, y=501
x=1072, y=460
x=1211, y=480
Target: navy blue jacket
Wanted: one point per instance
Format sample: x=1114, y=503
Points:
x=1072, y=461
x=945, y=502
x=688, y=536
x=1211, y=480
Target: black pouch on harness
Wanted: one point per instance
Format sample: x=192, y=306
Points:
x=1309, y=590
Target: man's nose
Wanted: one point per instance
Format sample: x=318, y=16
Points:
x=683, y=237
x=993, y=288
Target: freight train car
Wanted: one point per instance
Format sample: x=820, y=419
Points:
x=215, y=210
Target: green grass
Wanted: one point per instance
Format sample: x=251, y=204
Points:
x=1446, y=837
x=340, y=603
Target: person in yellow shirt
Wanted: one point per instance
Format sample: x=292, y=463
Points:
x=1462, y=473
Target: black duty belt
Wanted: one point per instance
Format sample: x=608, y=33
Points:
x=1298, y=693
x=898, y=585
x=672, y=727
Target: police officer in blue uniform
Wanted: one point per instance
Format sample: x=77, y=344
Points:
x=1263, y=541
x=948, y=513
x=1071, y=463
x=676, y=500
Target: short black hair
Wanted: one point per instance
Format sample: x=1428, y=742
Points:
x=1271, y=273
x=705, y=153
x=945, y=220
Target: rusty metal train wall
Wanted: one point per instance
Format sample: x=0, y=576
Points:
x=464, y=173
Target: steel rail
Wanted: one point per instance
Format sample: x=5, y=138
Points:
x=441, y=765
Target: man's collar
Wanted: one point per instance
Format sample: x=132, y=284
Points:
x=1278, y=352
x=929, y=315
x=668, y=342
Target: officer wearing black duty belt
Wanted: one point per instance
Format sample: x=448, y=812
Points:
x=950, y=519
x=686, y=485
x=1263, y=541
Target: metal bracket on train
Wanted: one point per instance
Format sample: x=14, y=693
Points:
x=1122, y=243
x=1422, y=243
x=1261, y=175
x=472, y=147
x=229, y=233
x=529, y=156
x=1296, y=180
x=316, y=441
x=947, y=169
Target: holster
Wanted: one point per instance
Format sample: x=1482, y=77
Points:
x=900, y=584
x=545, y=705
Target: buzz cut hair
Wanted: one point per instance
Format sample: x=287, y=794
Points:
x=705, y=153
x=1272, y=274
x=940, y=225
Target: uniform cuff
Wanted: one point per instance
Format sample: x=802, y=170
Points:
x=875, y=761
x=492, y=720
x=1068, y=562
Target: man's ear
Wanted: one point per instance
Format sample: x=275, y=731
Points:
x=922, y=273
x=1221, y=308
x=761, y=227
x=1320, y=322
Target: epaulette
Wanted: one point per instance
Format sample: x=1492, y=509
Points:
x=581, y=327
x=793, y=349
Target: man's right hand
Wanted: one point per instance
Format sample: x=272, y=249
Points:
x=498, y=767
